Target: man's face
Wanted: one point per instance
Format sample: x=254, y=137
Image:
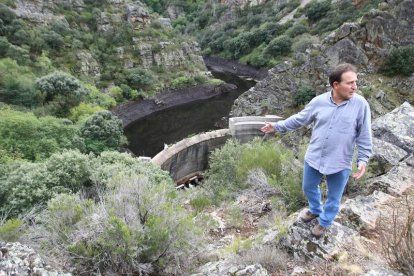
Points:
x=346, y=88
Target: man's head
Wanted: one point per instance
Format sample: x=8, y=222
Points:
x=343, y=80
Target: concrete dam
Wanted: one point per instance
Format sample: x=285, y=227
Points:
x=189, y=156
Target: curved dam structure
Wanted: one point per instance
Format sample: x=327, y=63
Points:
x=190, y=156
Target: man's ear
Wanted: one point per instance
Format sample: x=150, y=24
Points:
x=335, y=83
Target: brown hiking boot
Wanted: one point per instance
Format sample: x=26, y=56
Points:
x=318, y=230
x=307, y=216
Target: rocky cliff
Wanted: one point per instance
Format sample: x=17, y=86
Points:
x=364, y=44
x=143, y=39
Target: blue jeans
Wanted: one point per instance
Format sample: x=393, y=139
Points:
x=311, y=187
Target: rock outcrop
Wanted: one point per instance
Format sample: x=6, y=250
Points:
x=364, y=44
x=18, y=259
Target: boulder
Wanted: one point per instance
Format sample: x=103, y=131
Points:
x=385, y=156
x=397, y=127
x=397, y=181
x=363, y=212
x=305, y=247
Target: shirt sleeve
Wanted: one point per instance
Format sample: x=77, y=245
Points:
x=298, y=120
x=364, y=136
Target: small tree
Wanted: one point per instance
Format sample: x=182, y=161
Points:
x=304, y=94
x=103, y=131
x=62, y=91
x=399, y=62
x=279, y=46
x=315, y=10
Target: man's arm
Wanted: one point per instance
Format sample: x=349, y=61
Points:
x=364, y=141
x=298, y=120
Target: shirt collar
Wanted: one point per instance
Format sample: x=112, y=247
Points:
x=332, y=101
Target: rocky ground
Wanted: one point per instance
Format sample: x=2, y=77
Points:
x=261, y=240
x=353, y=245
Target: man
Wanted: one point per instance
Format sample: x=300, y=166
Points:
x=341, y=118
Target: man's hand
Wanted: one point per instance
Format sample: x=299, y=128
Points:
x=268, y=128
x=360, y=172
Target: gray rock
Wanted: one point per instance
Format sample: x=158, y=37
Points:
x=397, y=181
x=87, y=65
x=385, y=156
x=362, y=212
x=19, y=259
x=222, y=268
x=137, y=14
x=306, y=247
x=397, y=127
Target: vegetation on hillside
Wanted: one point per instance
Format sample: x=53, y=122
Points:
x=253, y=34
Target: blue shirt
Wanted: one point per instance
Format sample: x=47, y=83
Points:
x=336, y=130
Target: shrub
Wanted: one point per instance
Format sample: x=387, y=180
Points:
x=22, y=134
x=315, y=10
x=103, y=131
x=140, y=78
x=83, y=111
x=221, y=177
x=181, y=82
x=296, y=30
x=136, y=227
x=11, y=230
x=397, y=232
x=6, y=14
x=304, y=42
x=17, y=84
x=24, y=187
x=230, y=166
x=279, y=46
x=96, y=97
x=303, y=95
x=69, y=169
x=399, y=62
x=62, y=89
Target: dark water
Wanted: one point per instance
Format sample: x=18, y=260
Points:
x=148, y=135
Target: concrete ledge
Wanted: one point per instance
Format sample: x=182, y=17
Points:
x=191, y=154
x=246, y=128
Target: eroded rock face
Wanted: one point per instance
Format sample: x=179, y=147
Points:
x=168, y=55
x=87, y=65
x=37, y=11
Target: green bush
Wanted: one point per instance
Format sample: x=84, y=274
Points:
x=399, y=62
x=17, y=84
x=32, y=138
x=315, y=10
x=140, y=78
x=103, y=131
x=230, y=166
x=137, y=226
x=11, y=230
x=221, y=177
x=181, y=82
x=279, y=46
x=83, y=111
x=303, y=95
x=303, y=42
x=62, y=91
x=296, y=30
